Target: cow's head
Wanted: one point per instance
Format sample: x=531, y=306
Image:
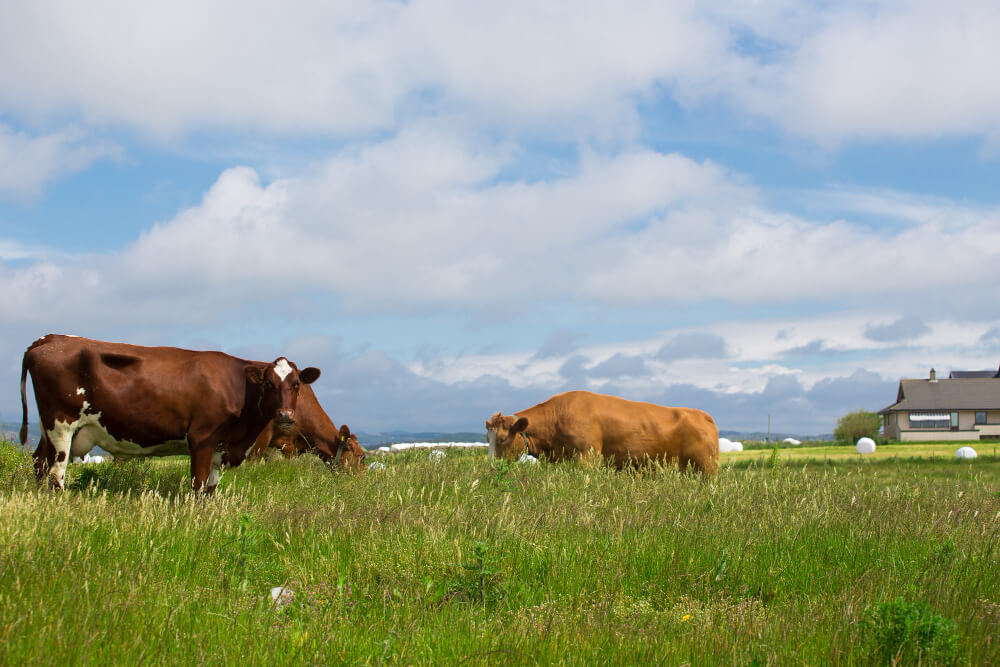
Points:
x=502, y=434
x=352, y=456
x=344, y=451
x=279, y=383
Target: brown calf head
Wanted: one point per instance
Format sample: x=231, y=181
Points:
x=353, y=456
x=502, y=434
x=278, y=384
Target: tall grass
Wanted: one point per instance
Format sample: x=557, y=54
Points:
x=467, y=561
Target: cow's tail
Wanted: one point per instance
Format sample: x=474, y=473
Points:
x=24, y=399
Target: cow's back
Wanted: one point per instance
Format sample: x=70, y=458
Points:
x=147, y=394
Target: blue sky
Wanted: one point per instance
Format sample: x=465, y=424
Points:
x=452, y=208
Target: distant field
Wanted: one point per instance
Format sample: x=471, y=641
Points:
x=466, y=561
x=944, y=451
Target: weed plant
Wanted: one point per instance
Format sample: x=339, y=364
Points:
x=475, y=562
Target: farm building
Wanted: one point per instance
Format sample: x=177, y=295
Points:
x=965, y=406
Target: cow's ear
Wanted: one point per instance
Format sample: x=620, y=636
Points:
x=519, y=425
x=308, y=375
x=254, y=373
x=345, y=432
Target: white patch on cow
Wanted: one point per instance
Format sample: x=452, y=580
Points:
x=78, y=437
x=216, y=473
x=282, y=368
x=491, y=437
x=61, y=436
x=80, y=391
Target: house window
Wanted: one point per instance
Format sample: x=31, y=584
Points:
x=981, y=417
x=930, y=420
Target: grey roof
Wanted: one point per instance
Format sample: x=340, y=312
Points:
x=973, y=374
x=952, y=394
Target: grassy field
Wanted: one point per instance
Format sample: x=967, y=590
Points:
x=939, y=451
x=465, y=561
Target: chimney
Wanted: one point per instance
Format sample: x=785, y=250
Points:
x=933, y=375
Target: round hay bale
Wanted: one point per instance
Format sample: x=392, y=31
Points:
x=435, y=455
x=966, y=453
x=527, y=458
x=865, y=446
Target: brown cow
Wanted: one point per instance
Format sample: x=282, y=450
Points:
x=573, y=424
x=152, y=401
x=315, y=432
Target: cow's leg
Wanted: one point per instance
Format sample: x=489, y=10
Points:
x=61, y=439
x=44, y=456
x=214, y=474
x=201, y=467
x=682, y=463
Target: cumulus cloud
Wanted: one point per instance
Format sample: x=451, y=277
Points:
x=991, y=337
x=383, y=228
x=28, y=163
x=857, y=70
x=873, y=70
x=558, y=344
x=905, y=328
x=693, y=346
x=620, y=365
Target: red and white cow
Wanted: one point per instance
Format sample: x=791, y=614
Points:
x=135, y=401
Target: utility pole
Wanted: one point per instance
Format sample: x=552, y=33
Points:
x=769, y=428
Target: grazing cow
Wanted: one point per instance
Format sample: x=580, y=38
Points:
x=152, y=401
x=573, y=424
x=315, y=432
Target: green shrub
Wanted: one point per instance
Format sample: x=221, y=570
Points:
x=904, y=632
x=856, y=425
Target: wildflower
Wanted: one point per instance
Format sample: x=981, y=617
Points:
x=685, y=618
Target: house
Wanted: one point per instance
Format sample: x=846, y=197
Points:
x=965, y=406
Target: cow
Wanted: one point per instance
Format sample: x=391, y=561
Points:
x=314, y=432
x=135, y=401
x=574, y=424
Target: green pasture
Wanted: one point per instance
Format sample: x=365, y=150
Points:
x=938, y=451
x=469, y=561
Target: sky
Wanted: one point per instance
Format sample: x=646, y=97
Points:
x=762, y=209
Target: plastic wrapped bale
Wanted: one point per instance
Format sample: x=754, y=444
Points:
x=865, y=446
x=966, y=453
x=376, y=466
x=792, y=441
x=727, y=445
x=527, y=458
x=435, y=456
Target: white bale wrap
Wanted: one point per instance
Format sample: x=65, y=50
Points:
x=865, y=446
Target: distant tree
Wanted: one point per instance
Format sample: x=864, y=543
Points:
x=856, y=425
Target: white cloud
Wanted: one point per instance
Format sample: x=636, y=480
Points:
x=570, y=70
x=28, y=162
x=348, y=67
x=420, y=223
x=871, y=70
